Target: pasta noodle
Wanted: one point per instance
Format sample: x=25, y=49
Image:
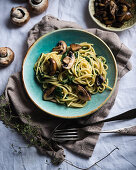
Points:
x=88, y=71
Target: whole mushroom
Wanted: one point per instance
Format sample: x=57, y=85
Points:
x=48, y=93
x=38, y=6
x=19, y=15
x=99, y=80
x=6, y=56
x=52, y=66
x=75, y=47
x=68, y=61
x=83, y=94
x=61, y=47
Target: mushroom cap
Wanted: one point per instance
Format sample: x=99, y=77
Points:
x=6, y=56
x=48, y=93
x=99, y=80
x=83, y=94
x=52, y=66
x=38, y=6
x=75, y=47
x=19, y=15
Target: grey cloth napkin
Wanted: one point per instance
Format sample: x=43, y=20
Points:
x=21, y=104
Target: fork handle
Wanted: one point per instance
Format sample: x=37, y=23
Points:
x=124, y=131
x=130, y=114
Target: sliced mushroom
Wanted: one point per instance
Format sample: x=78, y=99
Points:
x=61, y=47
x=124, y=17
x=99, y=80
x=113, y=12
x=124, y=8
x=83, y=94
x=19, y=16
x=113, y=8
x=38, y=6
x=52, y=66
x=128, y=16
x=68, y=61
x=123, y=2
x=48, y=93
x=75, y=47
x=109, y=22
x=117, y=24
x=6, y=56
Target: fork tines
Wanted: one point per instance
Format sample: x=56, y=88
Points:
x=65, y=134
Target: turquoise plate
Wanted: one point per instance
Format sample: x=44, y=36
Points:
x=45, y=45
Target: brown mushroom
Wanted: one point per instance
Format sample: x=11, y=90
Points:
x=113, y=8
x=75, y=47
x=61, y=47
x=6, y=56
x=52, y=66
x=83, y=94
x=38, y=6
x=124, y=17
x=68, y=61
x=124, y=8
x=117, y=24
x=123, y=2
x=113, y=12
x=48, y=93
x=128, y=16
x=99, y=80
x=19, y=16
x=109, y=22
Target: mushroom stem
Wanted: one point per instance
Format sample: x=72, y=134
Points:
x=68, y=61
x=18, y=13
x=6, y=56
x=3, y=53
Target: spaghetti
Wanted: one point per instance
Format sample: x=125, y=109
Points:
x=74, y=86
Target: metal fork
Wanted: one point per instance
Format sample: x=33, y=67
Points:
x=80, y=133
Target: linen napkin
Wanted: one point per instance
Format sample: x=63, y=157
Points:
x=19, y=112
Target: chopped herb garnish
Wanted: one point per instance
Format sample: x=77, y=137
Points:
x=87, y=59
x=76, y=54
x=69, y=80
x=58, y=92
x=63, y=56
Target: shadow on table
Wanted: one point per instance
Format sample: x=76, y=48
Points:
x=88, y=20
x=10, y=25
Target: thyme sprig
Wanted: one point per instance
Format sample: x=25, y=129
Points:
x=31, y=133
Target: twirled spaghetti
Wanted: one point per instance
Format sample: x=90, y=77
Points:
x=86, y=76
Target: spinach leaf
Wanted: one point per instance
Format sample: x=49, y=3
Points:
x=68, y=80
x=58, y=92
x=87, y=59
x=76, y=54
x=63, y=56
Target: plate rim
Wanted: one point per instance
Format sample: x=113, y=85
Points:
x=104, y=27
x=88, y=113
